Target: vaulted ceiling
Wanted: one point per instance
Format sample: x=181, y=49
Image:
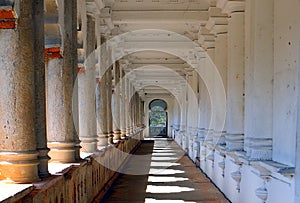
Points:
x=153, y=72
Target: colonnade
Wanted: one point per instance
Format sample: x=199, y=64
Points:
x=58, y=96
x=252, y=49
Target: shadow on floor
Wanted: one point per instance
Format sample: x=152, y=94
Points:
x=171, y=177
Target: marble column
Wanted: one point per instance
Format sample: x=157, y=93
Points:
x=18, y=137
x=235, y=78
x=86, y=90
x=61, y=66
x=116, y=103
x=259, y=80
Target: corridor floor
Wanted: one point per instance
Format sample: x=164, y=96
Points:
x=166, y=175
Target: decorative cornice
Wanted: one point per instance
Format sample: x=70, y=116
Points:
x=231, y=6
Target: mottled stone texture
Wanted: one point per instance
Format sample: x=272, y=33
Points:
x=60, y=78
x=17, y=135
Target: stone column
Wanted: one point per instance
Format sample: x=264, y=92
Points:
x=61, y=67
x=40, y=88
x=207, y=41
x=235, y=76
x=131, y=96
x=192, y=107
x=109, y=107
x=128, y=107
x=204, y=102
x=217, y=24
x=122, y=104
x=131, y=111
x=116, y=103
x=18, y=138
x=221, y=64
x=141, y=108
x=136, y=111
x=86, y=90
x=259, y=80
x=101, y=96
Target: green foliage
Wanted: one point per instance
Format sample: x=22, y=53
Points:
x=158, y=119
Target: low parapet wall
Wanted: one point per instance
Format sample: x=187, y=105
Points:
x=82, y=182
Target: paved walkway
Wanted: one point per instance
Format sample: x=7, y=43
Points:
x=166, y=175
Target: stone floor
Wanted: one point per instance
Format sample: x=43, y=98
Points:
x=160, y=172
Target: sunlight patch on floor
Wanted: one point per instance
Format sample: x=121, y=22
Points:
x=164, y=154
x=154, y=171
x=167, y=189
x=164, y=150
x=150, y=200
x=158, y=179
x=157, y=158
x=163, y=164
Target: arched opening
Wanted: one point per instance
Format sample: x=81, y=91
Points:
x=158, y=118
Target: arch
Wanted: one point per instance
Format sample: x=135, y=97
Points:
x=158, y=118
x=158, y=102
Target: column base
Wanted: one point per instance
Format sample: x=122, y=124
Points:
x=102, y=140
x=111, y=138
x=77, y=151
x=123, y=134
x=234, y=142
x=128, y=132
x=43, y=165
x=88, y=143
x=219, y=138
x=62, y=151
x=259, y=149
x=209, y=136
x=117, y=134
x=19, y=167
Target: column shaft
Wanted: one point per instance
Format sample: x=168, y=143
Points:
x=86, y=91
x=122, y=105
x=109, y=105
x=101, y=96
x=116, y=103
x=18, y=142
x=61, y=67
x=235, y=82
x=259, y=79
x=40, y=88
